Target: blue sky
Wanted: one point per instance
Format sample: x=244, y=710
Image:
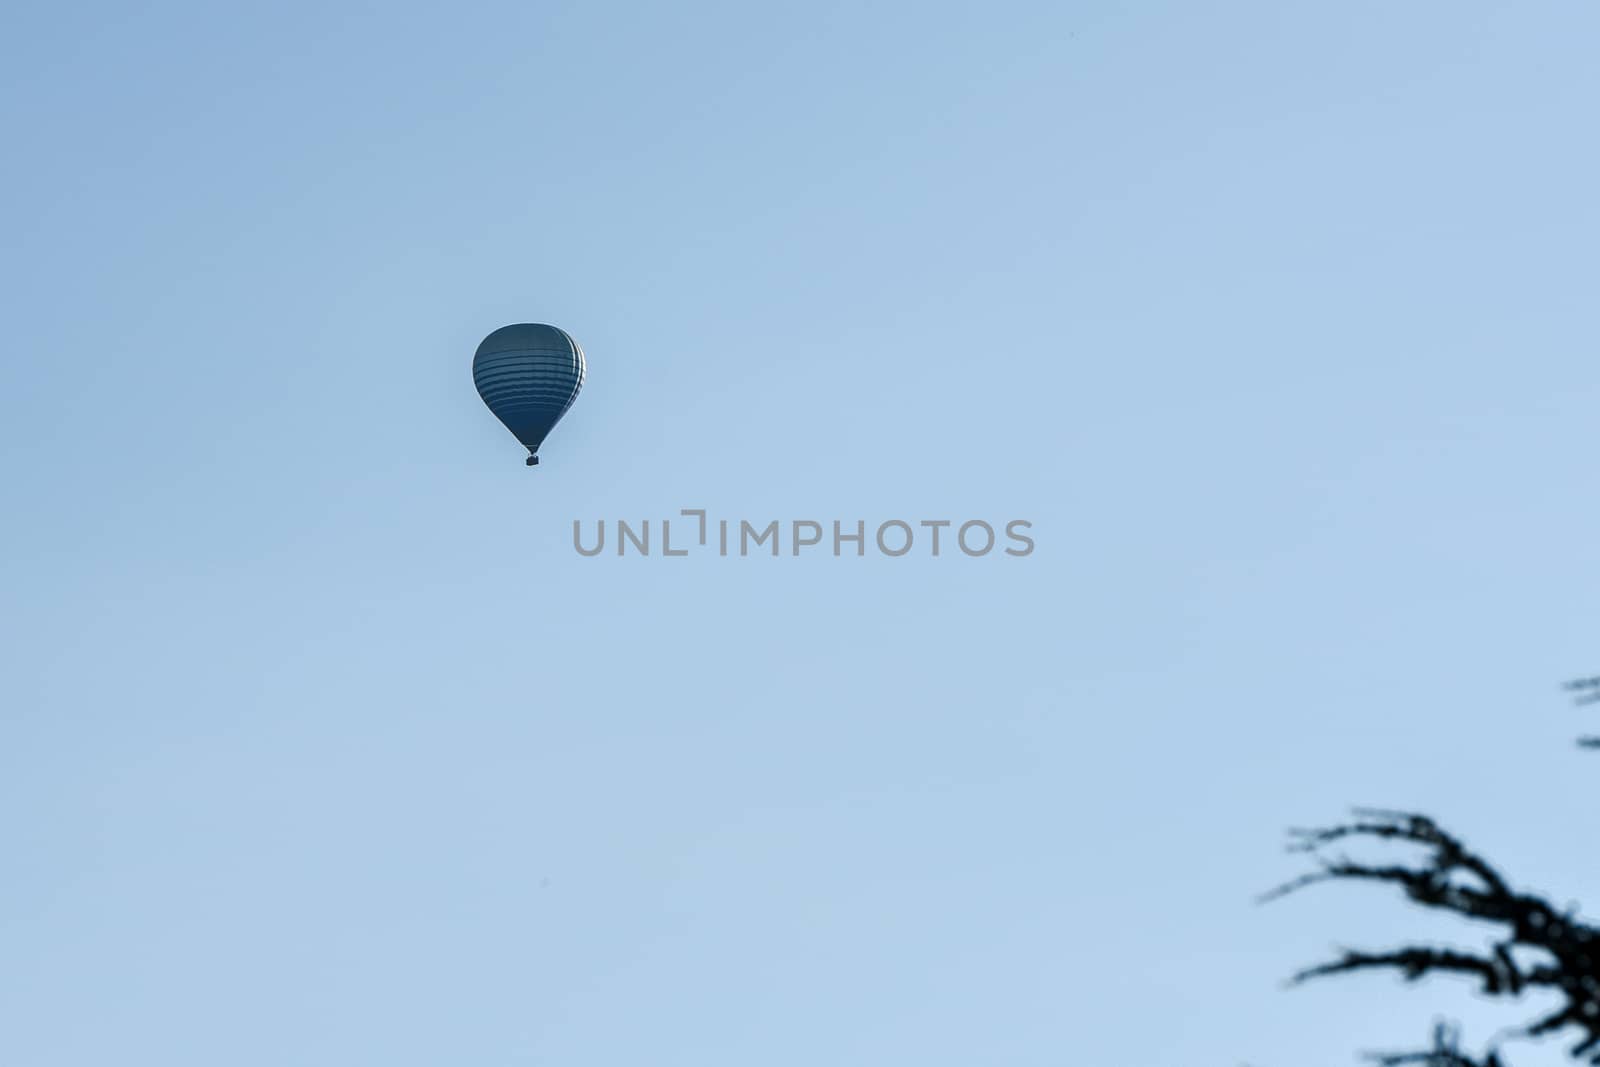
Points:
x=323, y=747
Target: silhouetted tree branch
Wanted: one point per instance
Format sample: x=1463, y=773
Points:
x=1585, y=691
x=1446, y=1052
x=1538, y=946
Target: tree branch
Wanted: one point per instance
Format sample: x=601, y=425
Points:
x=1559, y=952
x=1585, y=691
x=1446, y=1052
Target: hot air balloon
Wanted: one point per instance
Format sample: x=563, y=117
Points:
x=529, y=374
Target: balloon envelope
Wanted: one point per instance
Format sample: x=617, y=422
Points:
x=528, y=374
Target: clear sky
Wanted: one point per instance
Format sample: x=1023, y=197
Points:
x=321, y=746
